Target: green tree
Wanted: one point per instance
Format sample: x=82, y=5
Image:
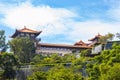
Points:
x=8, y=62
x=56, y=58
x=38, y=58
x=62, y=73
x=39, y=75
x=3, y=45
x=68, y=58
x=107, y=37
x=47, y=60
x=114, y=72
x=85, y=53
x=105, y=66
x=24, y=48
x=58, y=72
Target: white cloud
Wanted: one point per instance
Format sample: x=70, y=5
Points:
x=4, y=8
x=114, y=9
x=41, y=17
x=88, y=29
x=115, y=13
x=53, y=21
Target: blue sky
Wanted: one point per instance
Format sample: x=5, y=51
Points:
x=61, y=21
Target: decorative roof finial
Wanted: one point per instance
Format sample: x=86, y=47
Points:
x=24, y=26
x=99, y=34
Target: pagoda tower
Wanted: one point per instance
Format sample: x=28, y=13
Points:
x=95, y=40
x=27, y=32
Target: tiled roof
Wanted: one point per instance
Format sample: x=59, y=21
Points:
x=97, y=36
x=25, y=30
x=80, y=43
x=61, y=45
x=28, y=30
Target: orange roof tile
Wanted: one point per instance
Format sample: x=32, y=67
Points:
x=25, y=30
x=62, y=45
x=28, y=30
x=80, y=43
x=97, y=36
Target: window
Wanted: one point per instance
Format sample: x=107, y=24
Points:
x=27, y=34
x=32, y=35
x=22, y=34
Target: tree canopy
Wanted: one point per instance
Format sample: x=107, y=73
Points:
x=3, y=45
x=58, y=72
x=8, y=62
x=107, y=37
x=24, y=48
x=105, y=66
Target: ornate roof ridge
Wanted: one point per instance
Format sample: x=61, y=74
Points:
x=62, y=45
x=25, y=29
x=80, y=43
x=97, y=36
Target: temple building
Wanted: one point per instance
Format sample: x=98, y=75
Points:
x=26, y=32
x=95, y=40
x=61, y=49
x=80, y=43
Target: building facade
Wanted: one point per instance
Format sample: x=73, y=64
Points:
x=25, y=32
x=61, y=49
